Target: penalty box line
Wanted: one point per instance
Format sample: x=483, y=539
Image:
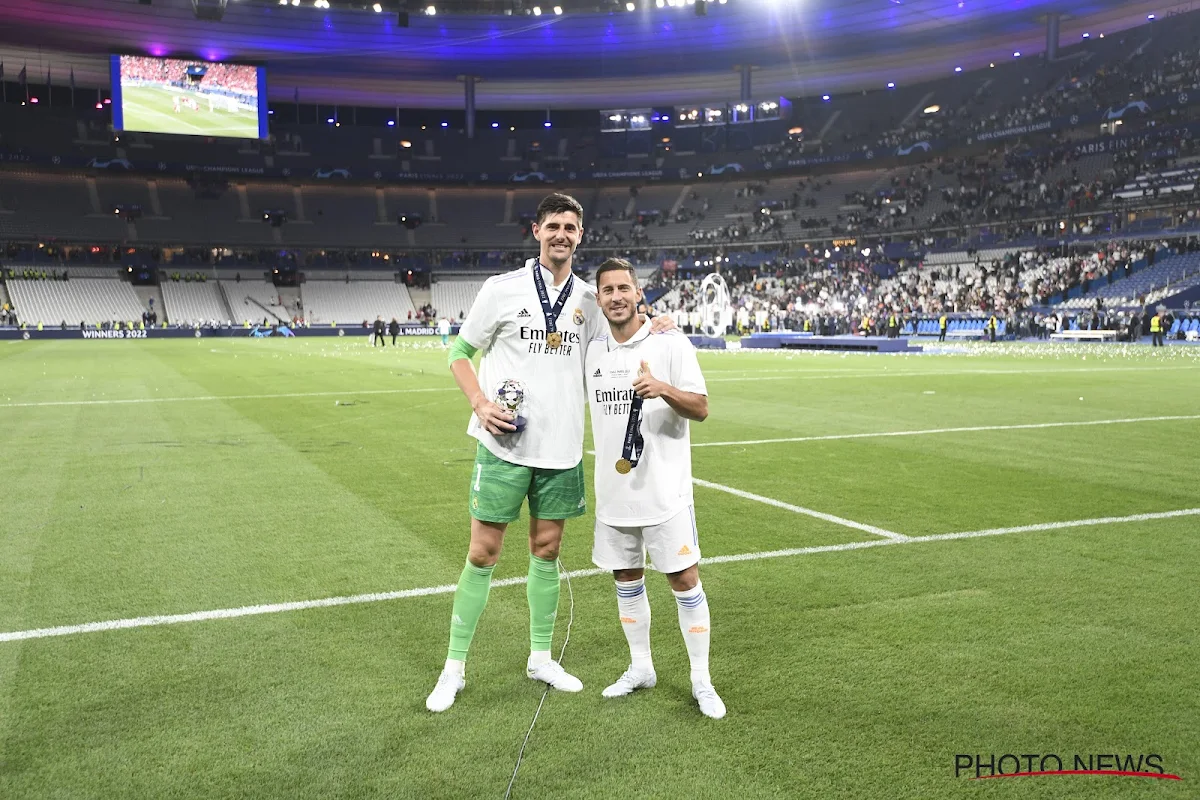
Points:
x=329, y=602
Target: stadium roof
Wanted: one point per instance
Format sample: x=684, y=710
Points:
x=650, y=56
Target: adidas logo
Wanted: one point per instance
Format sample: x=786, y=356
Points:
x=628, y=620
x=524, y=314
x=456, y=620
x=697, y=629
x=684, y=551
x=597, y=374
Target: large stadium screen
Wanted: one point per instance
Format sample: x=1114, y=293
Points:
x=188, y=96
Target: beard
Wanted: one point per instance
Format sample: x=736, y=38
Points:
x=620, y=316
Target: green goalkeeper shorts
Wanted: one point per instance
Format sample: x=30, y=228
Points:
x=499, y=487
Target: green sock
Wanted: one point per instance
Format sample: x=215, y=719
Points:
x=470, y=598
x=542, y=591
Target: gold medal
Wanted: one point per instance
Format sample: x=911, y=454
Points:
x=624, y=465
x=554, y=339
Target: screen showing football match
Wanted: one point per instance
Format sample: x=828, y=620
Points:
x=188, y=96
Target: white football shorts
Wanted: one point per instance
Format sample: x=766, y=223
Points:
x=673, y=545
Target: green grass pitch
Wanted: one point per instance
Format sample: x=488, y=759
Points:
x=151, y=109
x=254, y=472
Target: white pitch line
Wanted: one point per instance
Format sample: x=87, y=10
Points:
x=215, y=397
x=801, y=375
x=933, y=431
x=329, y=602
x=1054, y=526
x=848, y=523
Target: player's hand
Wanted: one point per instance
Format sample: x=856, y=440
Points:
x=662, y=323
x=647, y=386
x=494, y=419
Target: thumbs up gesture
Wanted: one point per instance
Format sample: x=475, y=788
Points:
x=647, y=386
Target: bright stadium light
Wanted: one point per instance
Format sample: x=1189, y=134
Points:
x=495, y=124
x=825, y=97
x=391, y=123
x=958, y=69
x=546, y=124
x=630, y=7
x=378, y=9
x=295, y=2
x=430, y=11
x=537, y=11
x=891, y=85
x=1016, y=54
x=1087, y=35
x=558, y=11
x=932, y=109
x=659, y=3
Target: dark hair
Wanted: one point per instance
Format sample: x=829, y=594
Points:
x=616, y=265
x=558, y=203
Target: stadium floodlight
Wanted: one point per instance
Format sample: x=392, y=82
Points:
x=295, y=2
x=378, y=9
x=391, y=123
x=537, y=11
x=891, y=85
x=445, y=124
x=495, y=124
x=1150, y=17
x=546, y=124
x=958, y=69
x=430, y=11
x=1087, y=35
x=825, y=97
x=283, y=2
x=630, y=6
x=405, y=144
x=558, y=11
x=1016, y=54
x=659, y=3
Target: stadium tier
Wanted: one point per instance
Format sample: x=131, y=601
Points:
x=193, y=303
x=352, y=303
x=82, y=300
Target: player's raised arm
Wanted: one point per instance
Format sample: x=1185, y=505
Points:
x=690, y=405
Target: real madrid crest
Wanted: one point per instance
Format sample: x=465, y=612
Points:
x=578, y=316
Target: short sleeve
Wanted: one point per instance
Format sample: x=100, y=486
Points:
x=685, y=367
x=479, y=328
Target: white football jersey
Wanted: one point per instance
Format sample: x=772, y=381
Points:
x=506, y=322
x=660, y=486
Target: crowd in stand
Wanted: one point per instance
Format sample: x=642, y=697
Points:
x=834, y=296
x=222, y=78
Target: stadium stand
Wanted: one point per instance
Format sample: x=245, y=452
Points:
x=84, y=300
x=251, y=299
x=192, y=302
x=452, y=297
x=351, y=303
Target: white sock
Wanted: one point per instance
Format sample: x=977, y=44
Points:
x=538, y=657
x=694, y=621
x=455, y=666
x=634, y=607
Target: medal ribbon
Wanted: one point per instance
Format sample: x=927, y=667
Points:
x=631, y=450
x=551, y=312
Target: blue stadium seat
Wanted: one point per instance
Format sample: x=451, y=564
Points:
x=1175, y=327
